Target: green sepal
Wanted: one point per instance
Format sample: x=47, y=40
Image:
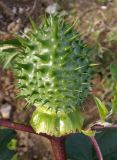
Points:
x=56, y=124
x=89, y=132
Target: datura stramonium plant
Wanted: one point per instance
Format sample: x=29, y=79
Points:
x=52, y=65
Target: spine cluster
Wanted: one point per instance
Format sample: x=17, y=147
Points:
x=52, y=64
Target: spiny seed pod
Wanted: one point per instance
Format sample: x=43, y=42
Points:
x=53, y=70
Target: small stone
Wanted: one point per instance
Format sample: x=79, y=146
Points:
x=14, y=10
x=51, y=9
x=6, y=110
x=1, y=16
x=63, y=13
x=26, y=30
x=44, y=158
x=14, y=26
x=21, y=10
x=27, y=9
x=103, y=7
x=35, y=156
x=18, y=20
x=20, y=153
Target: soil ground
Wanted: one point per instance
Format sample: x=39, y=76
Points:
x=95, y=21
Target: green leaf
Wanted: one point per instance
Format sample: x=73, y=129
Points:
x=15, y=157
x=12, y=144
x=108, y=144
x=6, y=136
x=114, y=102
x=79, y=147
x=113, y=69
x=102, y=109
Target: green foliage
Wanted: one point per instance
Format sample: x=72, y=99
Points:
x=12, y=144
x=102, y=1
x=103, y=112
x=7, y=145
x=112, y=36
x=114, y=103
x=113, y=69
x=15, y=157
x=78, y=146
x=52, y=65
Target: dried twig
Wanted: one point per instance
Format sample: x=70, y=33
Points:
x=32, y=9
x=87, y=11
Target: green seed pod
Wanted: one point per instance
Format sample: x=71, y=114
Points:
x=53, y=70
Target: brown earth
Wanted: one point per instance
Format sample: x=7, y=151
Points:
x=95, y=21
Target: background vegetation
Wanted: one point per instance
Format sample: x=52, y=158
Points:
x=96, y=21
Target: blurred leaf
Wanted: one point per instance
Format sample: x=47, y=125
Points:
x=12, y=144
x=114, y=103
x=6, y=136
x=14, y=157
x=79, y=147
x=113, y=69
x=102, y=109
x=89, y=132
x=112, y=35
x=103, y=2
x=108, y=144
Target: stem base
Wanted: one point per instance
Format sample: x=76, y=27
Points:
x=58, y=146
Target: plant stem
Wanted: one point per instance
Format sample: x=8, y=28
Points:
x=96, y=147
x=20, y=127
x=58, y=146
x=57, y=143
x=26, y=128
